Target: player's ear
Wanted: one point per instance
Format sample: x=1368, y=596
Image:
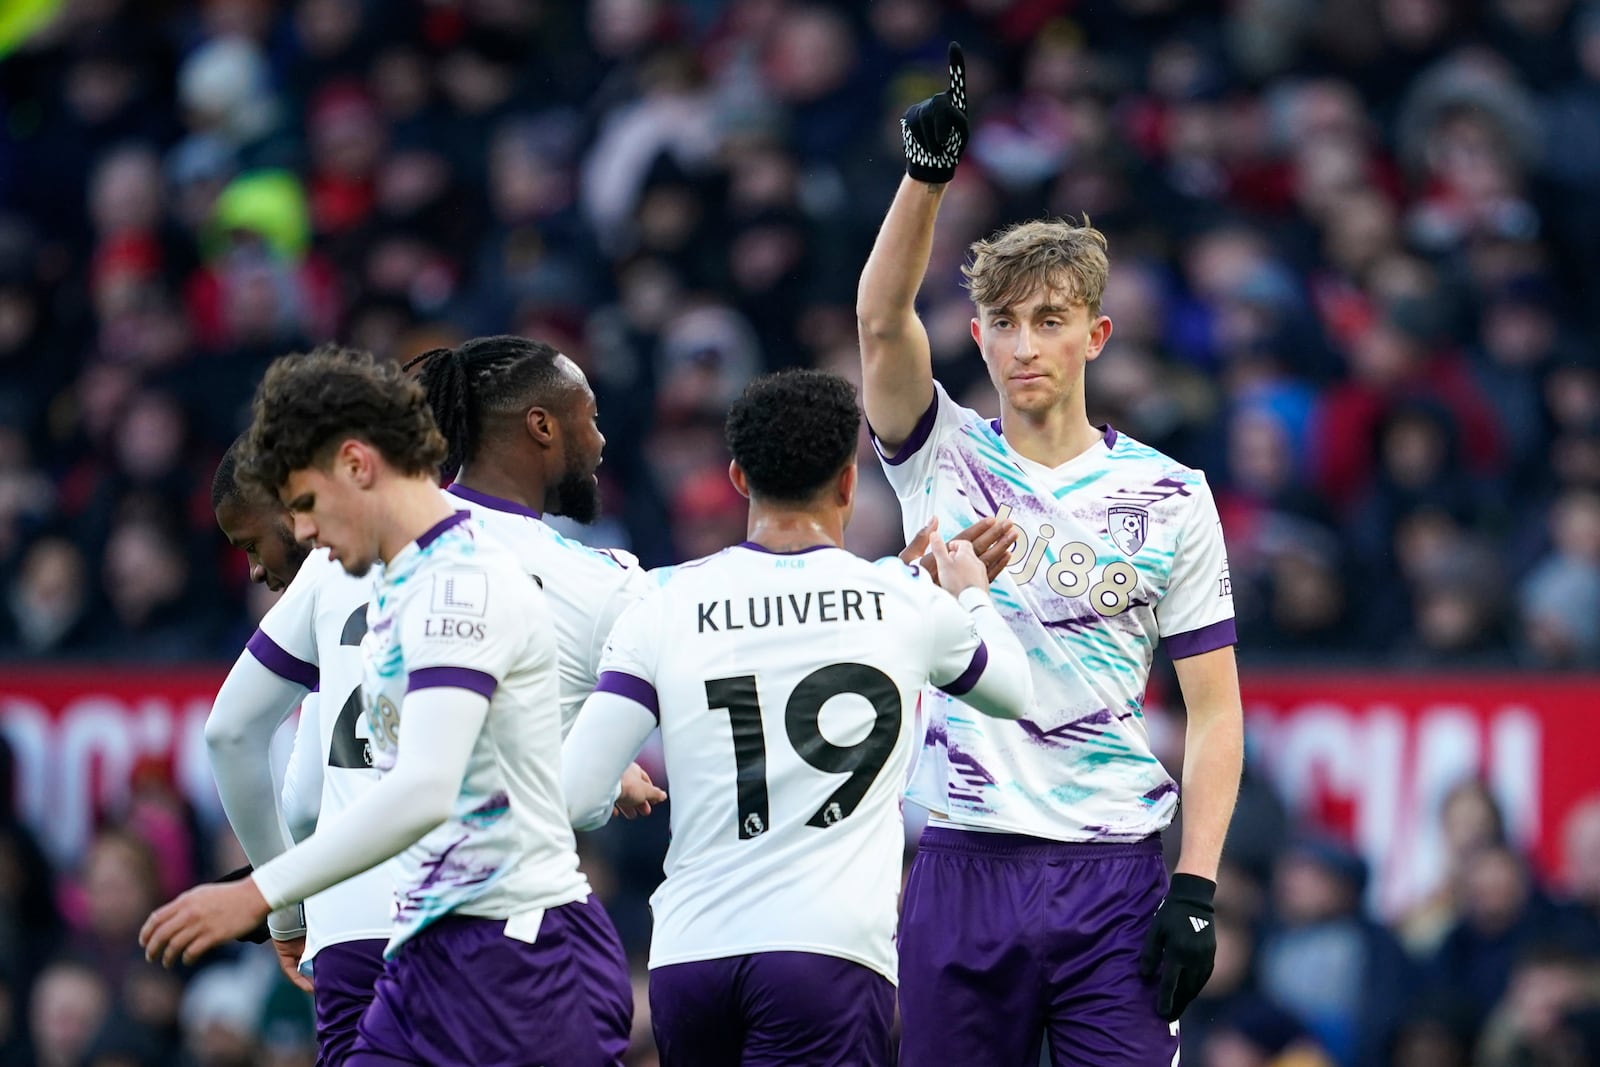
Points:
x=740, y=482
x=846, y=484
x=977, y=332
x=357, y=460
x=541, y=426
x=1099, y=334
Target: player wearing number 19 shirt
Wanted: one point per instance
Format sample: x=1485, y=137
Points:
x=309, y=640
x=783, y=674
x=1120, y=549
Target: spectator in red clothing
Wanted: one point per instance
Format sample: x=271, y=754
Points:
x=1397, y=359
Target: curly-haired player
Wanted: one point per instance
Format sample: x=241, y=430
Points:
x=491, y=915
x=783, y=674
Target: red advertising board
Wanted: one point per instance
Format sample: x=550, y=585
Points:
x=79, y=733
x=1371, y=757
x=1367, y=755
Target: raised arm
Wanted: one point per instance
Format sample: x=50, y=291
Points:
x=897, y=370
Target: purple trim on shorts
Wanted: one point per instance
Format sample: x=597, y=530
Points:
x=432, y=533
x=494, y=503
x=1024, y=846
x=1206, y=639
x=970, y=676
x=452, y=678
x=918, y=438
x=632, y=687
x=752, y=546
x=284, y=664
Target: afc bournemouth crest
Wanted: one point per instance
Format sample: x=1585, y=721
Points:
x=1127, y=526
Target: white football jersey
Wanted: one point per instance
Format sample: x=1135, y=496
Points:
x=786, y=687
x=586, y=588
x=1121, y=547
x=312, y=635
x=456, y=609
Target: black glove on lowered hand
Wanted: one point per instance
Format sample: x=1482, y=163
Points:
x=935, y=129
x=1181, y=944
x=260, y=935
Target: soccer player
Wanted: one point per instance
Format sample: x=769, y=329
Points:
x=1057, y=814
x=492, y=916
x=519, y=421
x=306, y=652
x=783, y=674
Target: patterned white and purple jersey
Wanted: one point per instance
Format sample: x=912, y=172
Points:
x=312, y=636
x=456, y=609
x=587, y=588
x=1120, y=548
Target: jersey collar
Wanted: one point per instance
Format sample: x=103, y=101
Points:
x=752, y=546
x=494, y=503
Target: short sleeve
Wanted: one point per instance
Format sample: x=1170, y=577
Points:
x=1196, y=613
x=959, y=654
x=626, y=592
x=286, y=641
x=910, y=467
x=464, y=628
x=628, y=661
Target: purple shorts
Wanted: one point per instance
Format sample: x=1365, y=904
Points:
x=344, y=976
x=1006, y=940
x=772, y=1009
x=462, y=992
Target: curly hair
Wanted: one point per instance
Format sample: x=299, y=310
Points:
x=1061, y=255
x=225, y=482
x=791, y=433
x=483, y=377
x=307, y=405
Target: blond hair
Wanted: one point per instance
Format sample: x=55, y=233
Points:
x=1057, y=255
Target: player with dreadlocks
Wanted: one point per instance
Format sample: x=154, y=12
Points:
x=519, y=421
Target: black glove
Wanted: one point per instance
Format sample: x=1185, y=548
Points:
x=260, y=935
x=935, y=130
x=1181, y=944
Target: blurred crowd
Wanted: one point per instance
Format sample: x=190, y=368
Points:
x=1351, y=249
x=1352, y=278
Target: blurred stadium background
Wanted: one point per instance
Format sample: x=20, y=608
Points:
x=1355, y=253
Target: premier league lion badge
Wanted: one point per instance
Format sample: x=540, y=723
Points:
x=1127, y=526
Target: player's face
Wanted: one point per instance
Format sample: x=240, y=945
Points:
x=576, y=493
x=1036, y=349
x=263, y=534
x=328, y=509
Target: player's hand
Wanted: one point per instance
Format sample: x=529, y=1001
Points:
x=1181, y=944
x=200, y=920
x=934, y=131
x=959, y=567
x=259, y=935
x=638, y=793
x=289, y=954
x=992, y=539
x=917, y=550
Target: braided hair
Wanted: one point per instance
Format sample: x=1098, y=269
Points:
x=502, y=375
